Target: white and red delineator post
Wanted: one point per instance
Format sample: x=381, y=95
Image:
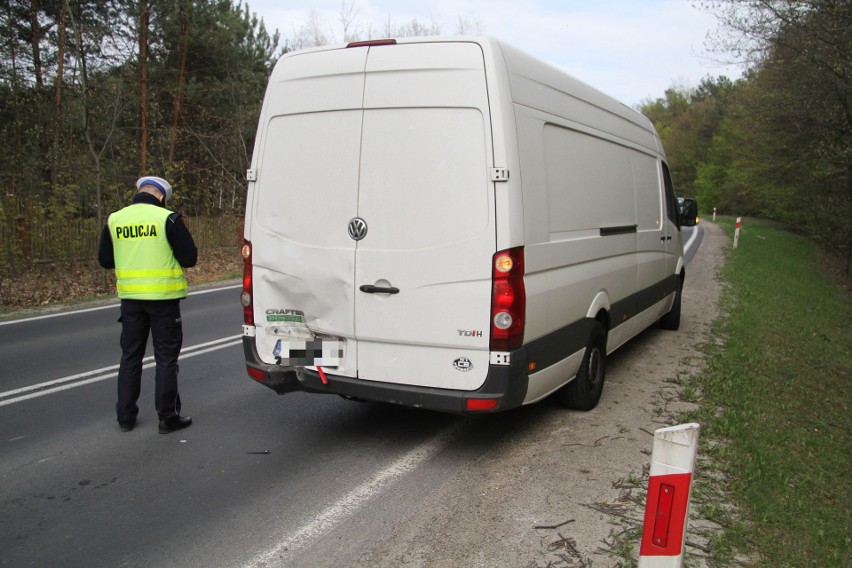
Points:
x=714, y=214
x=737, y=232
x=669, y=488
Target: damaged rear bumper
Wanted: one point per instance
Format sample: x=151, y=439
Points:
x=506, y=385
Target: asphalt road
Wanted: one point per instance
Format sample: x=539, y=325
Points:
x=257, y=480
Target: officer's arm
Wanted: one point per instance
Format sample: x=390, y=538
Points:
x=181, y=240
x=106, y=258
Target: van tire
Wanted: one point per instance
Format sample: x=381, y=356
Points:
x=584, y=392
x=672, y=319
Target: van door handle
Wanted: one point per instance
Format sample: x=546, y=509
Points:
x=370, y=289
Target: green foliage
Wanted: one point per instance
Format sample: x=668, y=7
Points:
x=776, y=390
x=778, y=143
x=687, y=120
x=71, y=108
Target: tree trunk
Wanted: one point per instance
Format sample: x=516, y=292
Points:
x=144, y=20
x=181, y=79
x=88, y=127
x=42, y=162
x=87, y=123
x=14, y=180
x=35, y=41
x=57, y=101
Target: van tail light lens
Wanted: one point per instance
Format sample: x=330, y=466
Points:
x=508, y=300
x=246, y=297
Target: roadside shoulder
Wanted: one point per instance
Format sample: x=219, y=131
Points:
x=553, y=493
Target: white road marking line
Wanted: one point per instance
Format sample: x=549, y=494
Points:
x=106, y=307
x=691, y=240
x=73, y=381
x=350, y=503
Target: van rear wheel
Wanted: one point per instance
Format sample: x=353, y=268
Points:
x=584, y=392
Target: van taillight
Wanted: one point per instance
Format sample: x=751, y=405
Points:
x=508, y=300
x=246, y=295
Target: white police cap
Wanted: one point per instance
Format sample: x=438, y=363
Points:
x=158, y=182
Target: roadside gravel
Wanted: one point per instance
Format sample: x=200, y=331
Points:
x=560, y=492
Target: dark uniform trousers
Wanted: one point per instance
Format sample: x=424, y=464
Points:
x=162, y=318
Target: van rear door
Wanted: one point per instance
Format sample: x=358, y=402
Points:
x=428, y=203
x=305, y=194
x=396, y=137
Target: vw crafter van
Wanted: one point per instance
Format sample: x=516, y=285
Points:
x=449, y=223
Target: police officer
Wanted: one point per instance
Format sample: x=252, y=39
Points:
x=149, y=246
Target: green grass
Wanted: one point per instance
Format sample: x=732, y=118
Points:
x=778, y=393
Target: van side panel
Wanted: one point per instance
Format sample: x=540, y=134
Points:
x=593, y=216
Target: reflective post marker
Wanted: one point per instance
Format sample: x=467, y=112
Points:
x=737, y=232
x=667, y=504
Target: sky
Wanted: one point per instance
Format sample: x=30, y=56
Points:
x=631, y=49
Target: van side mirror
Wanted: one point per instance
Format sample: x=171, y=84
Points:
x=688, y=212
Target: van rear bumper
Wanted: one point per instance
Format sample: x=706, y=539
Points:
x=505, y=384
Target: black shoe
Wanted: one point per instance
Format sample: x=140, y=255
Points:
x=174, y=423
x=126, y=426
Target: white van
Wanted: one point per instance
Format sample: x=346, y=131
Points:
x=449, y=223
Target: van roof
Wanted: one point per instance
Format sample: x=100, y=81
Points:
x=520, y=65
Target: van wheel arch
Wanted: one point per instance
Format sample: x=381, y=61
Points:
x=584, y=391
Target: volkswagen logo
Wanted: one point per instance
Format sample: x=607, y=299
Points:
x=357, y=229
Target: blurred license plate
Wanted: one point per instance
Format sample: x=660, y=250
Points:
x=317, y=352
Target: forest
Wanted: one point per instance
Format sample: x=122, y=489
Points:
x=95, y=93
x=776, y=144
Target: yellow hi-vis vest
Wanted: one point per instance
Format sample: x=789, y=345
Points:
x=145, y=265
